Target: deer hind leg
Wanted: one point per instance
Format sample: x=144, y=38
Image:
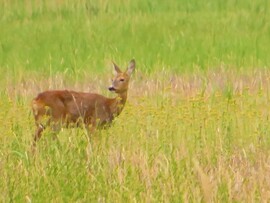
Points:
x=40, y=128
x=41, y=118
x=38, y=133
x=37, y=108
x=53, y=126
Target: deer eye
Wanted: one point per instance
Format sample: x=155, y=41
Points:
x=122, y=80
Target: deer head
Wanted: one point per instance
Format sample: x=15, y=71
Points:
x=121, y=79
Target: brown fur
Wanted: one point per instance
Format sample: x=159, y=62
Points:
x=58, y=108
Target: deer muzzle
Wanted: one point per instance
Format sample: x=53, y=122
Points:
x=112, y=88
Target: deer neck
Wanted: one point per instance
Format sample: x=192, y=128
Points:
x=118, y=103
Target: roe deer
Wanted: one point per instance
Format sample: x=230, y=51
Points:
x=58, y=108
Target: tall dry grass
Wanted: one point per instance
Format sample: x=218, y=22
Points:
x=200, y=137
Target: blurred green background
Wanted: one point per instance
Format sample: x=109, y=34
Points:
x=72, y=36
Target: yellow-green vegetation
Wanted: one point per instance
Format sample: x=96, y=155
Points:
x=178, y=139
x=196, y=124
x=67, y=35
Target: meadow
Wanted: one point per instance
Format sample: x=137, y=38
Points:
x=196, y=124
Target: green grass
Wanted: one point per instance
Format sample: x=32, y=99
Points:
x=176, y=140
x=196, y=124
x=178, y=35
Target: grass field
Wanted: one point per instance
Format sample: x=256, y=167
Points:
x=196, y=124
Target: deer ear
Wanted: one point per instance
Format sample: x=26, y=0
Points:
x=116, y=68
x=131, y=67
